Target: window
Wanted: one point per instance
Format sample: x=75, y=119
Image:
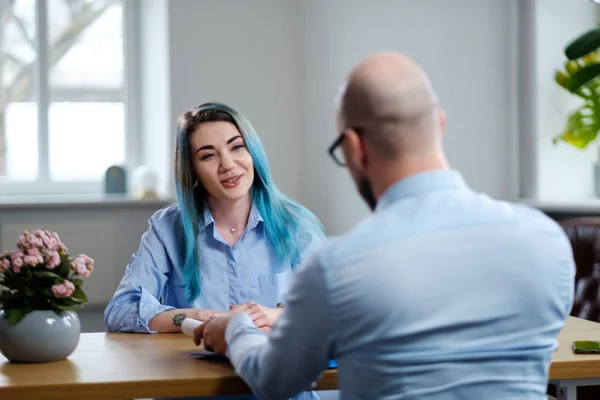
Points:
x=62, y=99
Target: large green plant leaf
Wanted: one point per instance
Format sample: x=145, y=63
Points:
x=80, y=295
x=584, y=44
x=583, y=76
x=582, y=127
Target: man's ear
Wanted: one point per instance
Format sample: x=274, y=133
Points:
x=442, y=120
x=355, y=150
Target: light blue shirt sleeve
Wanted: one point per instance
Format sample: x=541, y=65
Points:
x=136, y=302
x=302, y=337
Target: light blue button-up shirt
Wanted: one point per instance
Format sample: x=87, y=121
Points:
x=231, y=275
x=443, y=293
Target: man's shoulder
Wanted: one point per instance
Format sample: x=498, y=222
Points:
x=525, y=214
x=377, y=228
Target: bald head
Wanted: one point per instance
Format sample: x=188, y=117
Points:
x=390, y=97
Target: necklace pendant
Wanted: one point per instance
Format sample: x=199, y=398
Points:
x=233, y=230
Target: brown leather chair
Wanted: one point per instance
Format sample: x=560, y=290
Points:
x=584, y=234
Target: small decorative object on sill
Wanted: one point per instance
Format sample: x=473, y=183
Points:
x=115, y=180
x=40, y=289
x=144, y=182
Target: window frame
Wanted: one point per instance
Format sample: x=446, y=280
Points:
x=43, y=185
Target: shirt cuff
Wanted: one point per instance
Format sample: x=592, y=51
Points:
x=149, y=308
x=238, y=324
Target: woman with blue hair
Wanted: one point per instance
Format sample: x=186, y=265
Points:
x=231, y=240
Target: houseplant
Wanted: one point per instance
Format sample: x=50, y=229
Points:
x=40, y=289
x=581, y=77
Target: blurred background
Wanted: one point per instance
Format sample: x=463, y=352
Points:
x=86, y=85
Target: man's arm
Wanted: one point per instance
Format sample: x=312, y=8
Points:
x=298, y=349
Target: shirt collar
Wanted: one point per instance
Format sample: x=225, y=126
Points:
x=253, y=219
x=421, y=183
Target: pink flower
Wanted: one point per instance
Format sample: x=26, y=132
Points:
x=17, y=260
x=80, y=269
x=33, y=241
x=48, y=242
x=55, y=260
x=62, y=249
x=4, y=265
x=30, y=260
x=33, y=252
x=83, y=265
x=64, y=289
x=55, y=236
x=22, y=242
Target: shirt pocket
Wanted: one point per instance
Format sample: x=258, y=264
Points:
x=268, y=290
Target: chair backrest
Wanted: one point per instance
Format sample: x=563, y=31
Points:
x=584, y=234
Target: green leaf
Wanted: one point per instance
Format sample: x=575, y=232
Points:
x=48, y=274
x=583, y=76
x=79, y=294
x=77, y=281
x=582, y=127
x=62, y=307
x=14, y=316
x=584, y=44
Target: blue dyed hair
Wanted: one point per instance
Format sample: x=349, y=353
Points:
x=285, y=220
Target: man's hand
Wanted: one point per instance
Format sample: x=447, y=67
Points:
x=263, y=317
x=212, y=331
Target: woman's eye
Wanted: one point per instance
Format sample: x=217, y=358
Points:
x=238, y=147
x=206, y=156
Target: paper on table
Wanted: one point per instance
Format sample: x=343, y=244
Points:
x=188, y=325
x=207, y=355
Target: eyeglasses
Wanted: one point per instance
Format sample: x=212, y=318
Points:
x=335, y=150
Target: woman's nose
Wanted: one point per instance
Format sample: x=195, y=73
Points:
x=227, y=163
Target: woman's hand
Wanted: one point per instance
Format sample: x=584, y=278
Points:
x=263, y=317
x=202, y=314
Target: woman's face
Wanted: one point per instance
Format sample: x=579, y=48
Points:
x=221, y=161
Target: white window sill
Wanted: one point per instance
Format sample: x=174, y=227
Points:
x=78, y=201
x=582, y=205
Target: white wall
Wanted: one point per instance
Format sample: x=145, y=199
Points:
x=244, y=54
x=280, y=63
x=462, y=44
x=563, y=171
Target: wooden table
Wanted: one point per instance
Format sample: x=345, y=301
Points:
x=569, y=370
x=122, y=365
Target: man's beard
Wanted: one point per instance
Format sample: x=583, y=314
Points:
x=366, y=192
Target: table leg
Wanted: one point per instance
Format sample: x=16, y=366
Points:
x=567, y=390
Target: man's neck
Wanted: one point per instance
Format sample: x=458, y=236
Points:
x=230, y=214
x=387, y=175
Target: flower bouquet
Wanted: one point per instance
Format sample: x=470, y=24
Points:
x=40, y=275
x=40, y=288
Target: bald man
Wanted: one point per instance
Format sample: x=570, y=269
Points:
x=443, y=293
